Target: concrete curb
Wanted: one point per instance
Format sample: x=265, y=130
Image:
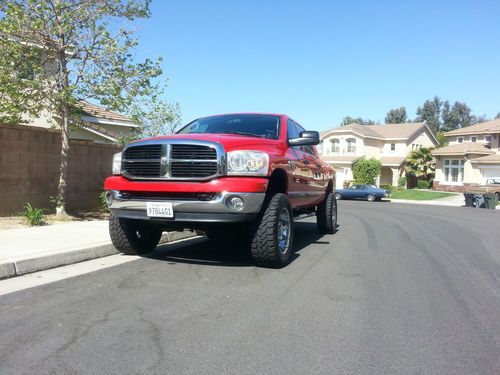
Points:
x=44, y=261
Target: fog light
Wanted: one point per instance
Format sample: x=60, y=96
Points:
x=109, y=198
x=235, y=203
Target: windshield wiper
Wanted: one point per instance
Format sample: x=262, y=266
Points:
x=244, y=133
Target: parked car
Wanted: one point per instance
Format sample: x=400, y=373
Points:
x=240, y=176
x=368, y=192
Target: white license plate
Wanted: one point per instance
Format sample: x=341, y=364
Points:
x=159, y=209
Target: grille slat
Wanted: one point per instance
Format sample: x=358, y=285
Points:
x=185, y=161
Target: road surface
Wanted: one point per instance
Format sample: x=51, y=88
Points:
x=400, y=289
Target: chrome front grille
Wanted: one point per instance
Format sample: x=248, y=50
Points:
x=173, y=160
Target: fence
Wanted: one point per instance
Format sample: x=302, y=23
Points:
x=29, y=169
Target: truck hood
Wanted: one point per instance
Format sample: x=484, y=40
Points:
x=230, y=142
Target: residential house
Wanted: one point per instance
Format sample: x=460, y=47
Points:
x=471, y=156
x=97, y=124
x=389, y=143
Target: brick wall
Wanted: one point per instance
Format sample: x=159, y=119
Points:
x=29, y=169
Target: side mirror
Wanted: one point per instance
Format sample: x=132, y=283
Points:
x=306, y=138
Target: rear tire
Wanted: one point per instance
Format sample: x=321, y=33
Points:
x=133, y=237
x=338, y=196
x=271, y=243
x=326, y=215
x=371, y=198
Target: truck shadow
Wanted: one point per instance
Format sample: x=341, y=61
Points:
x=204, y=252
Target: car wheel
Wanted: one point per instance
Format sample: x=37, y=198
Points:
x=338, y=196
x=133, y=237
x=326, y=215
x=370, y=197
x=271, y=244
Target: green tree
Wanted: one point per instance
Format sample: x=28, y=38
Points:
x=430, y=112
x=365, y=171
x=356, y=120
x=420, y=163
x=457, y=116
x=56, y=52
x=441, y=138
x=396, y=116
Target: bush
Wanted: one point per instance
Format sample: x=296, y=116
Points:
x=366, y=170
x=387, y=187
x=402, y=181
x=423, y=184
x=34, y=216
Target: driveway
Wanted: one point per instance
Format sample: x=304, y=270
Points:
x=400, y=289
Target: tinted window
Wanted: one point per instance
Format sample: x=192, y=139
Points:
x=292, y=130
x=308, y=149
x=264, y=126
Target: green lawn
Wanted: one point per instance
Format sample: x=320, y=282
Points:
x=419, y=195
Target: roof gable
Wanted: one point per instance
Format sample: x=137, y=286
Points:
x=386, y=131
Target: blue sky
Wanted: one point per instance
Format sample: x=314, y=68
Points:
x=319, y=61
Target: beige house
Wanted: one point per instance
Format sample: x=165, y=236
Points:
x=390, y=144
x=471, y=157
x=97, y=124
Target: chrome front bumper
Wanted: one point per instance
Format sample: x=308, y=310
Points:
x=214, y=210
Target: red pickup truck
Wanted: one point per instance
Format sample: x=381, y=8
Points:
x=240, y=176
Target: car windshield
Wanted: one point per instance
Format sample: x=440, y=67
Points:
x=262, y=126
x=373, y=186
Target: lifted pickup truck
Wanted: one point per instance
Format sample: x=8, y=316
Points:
x=238, y=176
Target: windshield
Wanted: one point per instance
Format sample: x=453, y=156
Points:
x=263, y=126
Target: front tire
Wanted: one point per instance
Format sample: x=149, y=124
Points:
x=326, y=215
x=271, y=244
x=133, y=237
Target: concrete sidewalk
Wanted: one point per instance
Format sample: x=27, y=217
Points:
x=453, y=200
x=457, y=200
x=27, y=250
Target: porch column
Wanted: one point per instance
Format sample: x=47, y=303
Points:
x=395, y=176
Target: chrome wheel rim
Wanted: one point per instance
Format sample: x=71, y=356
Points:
x=284, y=225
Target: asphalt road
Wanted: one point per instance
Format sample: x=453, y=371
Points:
x=400, y=289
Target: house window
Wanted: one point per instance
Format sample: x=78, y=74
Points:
x=335, y=146
x=454, y=170
x=460, y=139
x=473, y=139
x=351, y=145
x=393, y=147
x=487, y=139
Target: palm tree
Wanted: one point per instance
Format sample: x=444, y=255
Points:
x=420, y=163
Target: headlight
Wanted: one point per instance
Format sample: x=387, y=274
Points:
x=252, y=163
x=117, y=163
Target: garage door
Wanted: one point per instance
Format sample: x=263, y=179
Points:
x=490, y=172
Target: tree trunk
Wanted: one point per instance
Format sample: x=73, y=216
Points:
x=63, y=176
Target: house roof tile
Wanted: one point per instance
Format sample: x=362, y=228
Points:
x=392, y=160
x=89, y=109
x=386, y=131
x=463, y=149
x=486, y=127
x=489, y=159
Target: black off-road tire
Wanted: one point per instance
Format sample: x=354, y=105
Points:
x=133, y=237
x=264, y=246
x=326, y=215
